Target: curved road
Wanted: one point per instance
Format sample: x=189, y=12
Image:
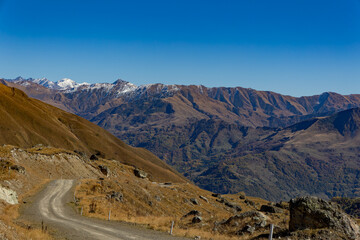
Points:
x=50, y=206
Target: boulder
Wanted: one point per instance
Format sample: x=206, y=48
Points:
x=315, y=213
x=196, y=219
x=204, y=198
x=18, y=168
x=8, y=195
x=104, y=170
x=270, y=209
x=94, y=157
x=194, y=201
x=140, y=173
x=216, y=195
x=242, y=195
x=192, y=213
x=118, y=196
x=233, y=205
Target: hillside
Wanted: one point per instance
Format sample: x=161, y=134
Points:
x=236, y=137
x=27, y=122
x=317, y=157
x=57, y=145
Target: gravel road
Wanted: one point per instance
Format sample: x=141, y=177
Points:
x=51, y=206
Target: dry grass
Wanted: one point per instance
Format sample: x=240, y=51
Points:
x=156, y=205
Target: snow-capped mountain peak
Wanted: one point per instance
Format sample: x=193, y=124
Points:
x=66, y=84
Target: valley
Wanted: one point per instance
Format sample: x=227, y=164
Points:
x=47, y=148
x=225, y=140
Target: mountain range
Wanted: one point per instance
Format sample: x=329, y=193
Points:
x=226, y=139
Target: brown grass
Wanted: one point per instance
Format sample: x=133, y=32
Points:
x=155, y=205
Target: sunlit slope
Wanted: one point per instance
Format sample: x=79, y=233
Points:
x=26, y=122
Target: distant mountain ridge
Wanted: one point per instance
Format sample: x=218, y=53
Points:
x=202, y=131
x=245, y=106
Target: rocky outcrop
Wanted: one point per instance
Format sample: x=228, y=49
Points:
x=104, y=170
x=140, y=173
x=8, y=195
x=117, y=196
x=192, y=213
x=270, y=209
x=315, y=213
x=19, y=169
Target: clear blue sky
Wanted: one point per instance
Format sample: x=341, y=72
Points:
x=295, y=47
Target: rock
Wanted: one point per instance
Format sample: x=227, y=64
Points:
x=315, y=213
x=216, y=195
x=249, y=202
x=118, y=196
x=94, y=157
x=196, y=219
x=82, y=154
x=194, y=201
x=197, y=238
x=261, y=224
x=248, y=229
x=192, y=213
x=104, y=170
x=242, y=195
x=238, y=208
x=20, y=169
x=204, y=198
x=140, y=173
x=232, y=205
x=270, y=209
x=8, y=195
x=157, y=198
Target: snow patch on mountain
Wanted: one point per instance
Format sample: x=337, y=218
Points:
x=116, y=89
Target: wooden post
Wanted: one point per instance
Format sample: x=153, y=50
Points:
x=81, y=211
x=109, y=214
x=172, y=227
x=271, y=231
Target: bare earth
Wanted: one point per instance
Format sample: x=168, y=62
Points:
x=51, y=206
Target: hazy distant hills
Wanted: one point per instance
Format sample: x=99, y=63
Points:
x=227, y=139
x=320, y=157
x=26, y=122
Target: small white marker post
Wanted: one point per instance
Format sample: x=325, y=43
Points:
x=109, y=214
x=271, y=231
x=172, y=227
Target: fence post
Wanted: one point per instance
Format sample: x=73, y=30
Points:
x=109, y=214
x=81, y=211
x=172, y=227
x=271, y=231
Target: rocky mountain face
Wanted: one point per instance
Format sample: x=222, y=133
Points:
x=227, y=139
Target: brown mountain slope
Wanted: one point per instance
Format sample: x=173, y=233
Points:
x=317, y=157
x=201, y=130
x=26, y=122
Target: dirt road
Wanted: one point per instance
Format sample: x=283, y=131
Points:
x=50, y=206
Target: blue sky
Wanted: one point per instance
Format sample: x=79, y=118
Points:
x=297, y=47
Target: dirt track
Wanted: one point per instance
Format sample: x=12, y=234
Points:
x=50, y=206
